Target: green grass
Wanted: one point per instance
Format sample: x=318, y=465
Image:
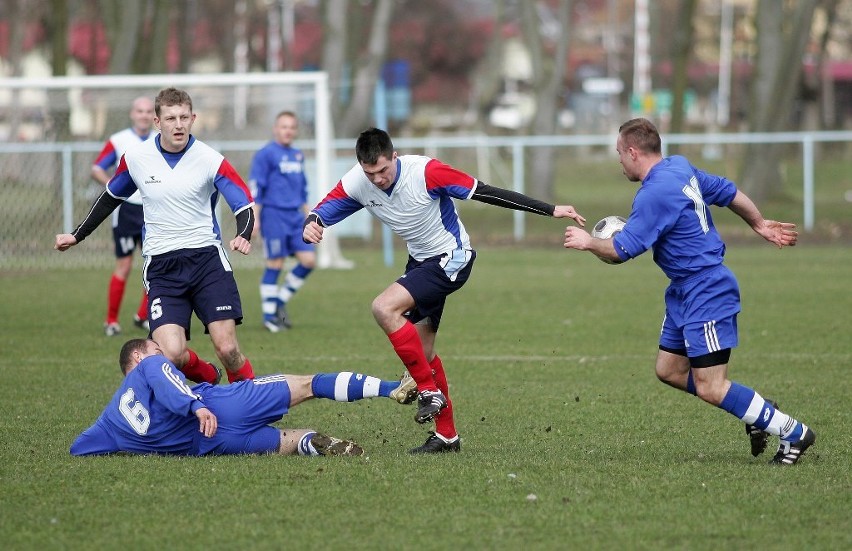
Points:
x=550, y=357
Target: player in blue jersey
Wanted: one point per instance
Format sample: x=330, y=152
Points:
x=127, y=219
x=154, y=411
x=186, y=266
x=413, y=195
x=702, y=301
x=277, y=181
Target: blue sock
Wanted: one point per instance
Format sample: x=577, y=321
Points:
x=751, y=408
x=690, y=384
x=305, y=447
x=737, y=400
x=269, y=292
x=301, y=271
x=348, y=387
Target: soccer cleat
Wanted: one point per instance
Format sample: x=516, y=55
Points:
x=272, y=325
x=430, y=403
x=112, y=329
x=283, y=318
x=436, y=444
x=758, y=437
x=789, y=452
x=329, y=445
x=406, y=392
x=140, y=323
x=218, y=376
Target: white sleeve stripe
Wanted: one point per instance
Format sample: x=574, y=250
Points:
x=341, y=386
x=177, y=381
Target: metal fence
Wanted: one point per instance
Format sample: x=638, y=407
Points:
x=47, y=188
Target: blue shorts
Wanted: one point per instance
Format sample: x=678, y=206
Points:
x=431, y=280
x=281, y=230
x=244, y=411
x=701, y=313
x=127, y=222
x=191, y=280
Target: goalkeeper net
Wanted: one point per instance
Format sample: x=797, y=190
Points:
x=52, y=129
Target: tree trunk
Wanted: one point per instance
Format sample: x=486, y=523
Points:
x=779, y=67
x=357, y=115
x=334, y=51
x=548, y=79
x=681, y=53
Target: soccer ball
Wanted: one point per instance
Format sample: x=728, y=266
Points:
x=608, y=227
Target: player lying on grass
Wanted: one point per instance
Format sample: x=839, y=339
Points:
x=155, y=412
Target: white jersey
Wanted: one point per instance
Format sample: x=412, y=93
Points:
x=179, y=193
x=115, y=147
x=419, y=207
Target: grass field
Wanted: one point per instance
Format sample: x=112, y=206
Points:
x=569, y=442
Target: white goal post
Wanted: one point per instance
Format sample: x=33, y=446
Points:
x=53, y=127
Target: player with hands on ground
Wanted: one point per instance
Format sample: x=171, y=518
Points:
x=154, y=411
x=702, y=301
x=413, y=195
x=186, y=267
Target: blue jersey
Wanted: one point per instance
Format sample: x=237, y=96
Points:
x=670, y=215
x=153, y=411
x=277, y=177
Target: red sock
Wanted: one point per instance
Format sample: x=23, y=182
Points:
x=114, y=296
x=142, y=312
x=444, y=423
x=407, y=345
x=199, y=371
x=245, y=372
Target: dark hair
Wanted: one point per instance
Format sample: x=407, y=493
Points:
x=124, y=357
x=641, y=134
x=171, y=96
x=286, y=113
x=372, y=144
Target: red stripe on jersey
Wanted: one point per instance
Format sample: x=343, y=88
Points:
x=227, y=170
x=107, y=150
x=337, y=193
x=440, y=175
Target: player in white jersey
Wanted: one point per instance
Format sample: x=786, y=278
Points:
x=127, y=219
x=186, y=267
x=414, y=195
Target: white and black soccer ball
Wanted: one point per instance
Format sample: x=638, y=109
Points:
x=608, y=227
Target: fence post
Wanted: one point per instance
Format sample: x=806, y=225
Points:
x=518, y=185
x=808, y=180
x=67, y=190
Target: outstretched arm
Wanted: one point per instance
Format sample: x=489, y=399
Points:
x=578, y=239
x=102, y=207
x=780, y=233
x=518, y=201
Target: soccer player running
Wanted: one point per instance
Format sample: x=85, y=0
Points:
x=127, y=219
x=186, y=267
x=154, y=411
x=670, y=215
x=277, y=181
x=413, y=195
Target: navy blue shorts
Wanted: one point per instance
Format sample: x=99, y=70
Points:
x=701, y=313
x=127, y=222
x=281, y=230
x=431, y=280
x=191, y=280
x=244, y=411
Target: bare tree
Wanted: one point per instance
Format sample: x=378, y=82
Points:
x=366, y=71
x=486, y=76
x=548, y=79
x=776, y=82
x=681, y=53
x=123, y=21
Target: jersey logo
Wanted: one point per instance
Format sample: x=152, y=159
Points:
x=152, y=180
x=373, y=204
